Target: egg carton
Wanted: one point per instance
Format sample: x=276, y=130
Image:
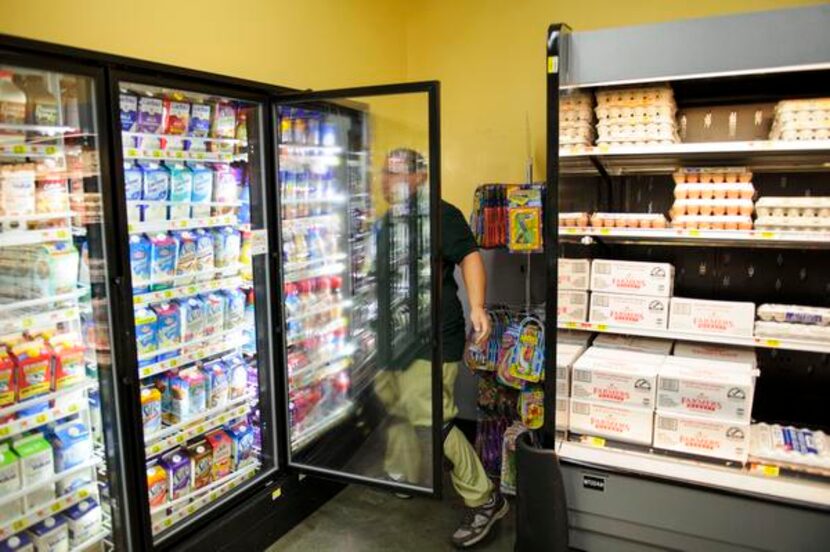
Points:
x=714, y=175
x=800, y=120
x=796, y=106
x=794, y=224
x=637, y=133
x=575, y=114
x=804, y=135
x=628, y=220
x=737, y=190
x=789, y=447
x=786, y=330
x=717, y=207
x=635, y=96
x=571, y=220
x=794, y=314
x=576, y=99
x=793, y=207
x=640, y=114
x=722, y=222
x=636, y=143
x=584, y=127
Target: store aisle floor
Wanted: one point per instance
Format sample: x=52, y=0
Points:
x=361, y=519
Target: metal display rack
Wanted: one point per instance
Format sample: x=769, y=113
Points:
x=623, y=497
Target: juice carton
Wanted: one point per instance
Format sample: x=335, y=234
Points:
x=245, y=256
x=71, y=445
x=204, y=253
x=193, y=319
x=188, y=396
x=200, y=115
x=175, y=121
x=169, y=325
x=157, y=485
x=234, y=308
x=140, y=262
x=237, y=376
x=227, y=243
x=181, y=189
x=10, y=481
x=51, y=534
x=202, y=191
x=20, y=542
x=242, y=444
x=155, y=187
x=214, y=313
x=36, y=466
x=225, y=188
x=221, y=445
x=150, y=409
x=145, y=331
x=84, y=521
x=68, y=354
x=223, y=126
x=162, y=382
x=163, y=253
x=186, y=261
x=201, y=465
x=149, y=120
x=177, y=465
x=8, y=387
x=33, y=361
x=129, y=113
x=133, y=189
x=218, y=385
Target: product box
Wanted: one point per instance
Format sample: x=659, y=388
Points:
x=163, y=253
x=221, y=446
x=242, y=444
x=562, y=409
x=611, y=376
x=712, y=317
x=201, y=470
x=36, y=466
x=132, y=188
x=157, y=485
x=71, y=445
x=168, y=325
x=202, y=192
x=150, y=410
x=155, y=186
x=572, y=306
x=234, y=308
x=702, y=436
x=632, y=343
x=146, y=339
x=140, y=262
x=68, y=353
x=573, y=274
x=188, y=396
x=706, y=388
x=177, y=465
x=20, y=542
x=181, y=188
x=622, y=423
x=631, y=277
x=33, y=376
x=744, y=355
x=218, y=384
x=637, y=311
x=84, y=521
x=237, y=376
x=51, y=534
x=10, y=481
x=8, y=387
x=574, y=337
x=193, y=319
x=214, y=314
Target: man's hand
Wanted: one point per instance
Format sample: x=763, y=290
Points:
x=481, y=324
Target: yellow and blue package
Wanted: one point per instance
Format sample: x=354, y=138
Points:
x=528, y=359
x=524, y=214
x=532, y=407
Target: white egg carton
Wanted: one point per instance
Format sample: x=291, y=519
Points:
x=628, y=220
x=798, y=106
x=579, y=220
x=717, y=207
x=787, y=330
x=712, y=222
x=794, y=224
x=793, y=207
x=736, y=190
x=576, y=114
x=638, y=131
x=635, y=96
x=636, y=143
x=794, y=135
x=655, y=113
x=576, y=99
x=794, y=314
x=789, y=446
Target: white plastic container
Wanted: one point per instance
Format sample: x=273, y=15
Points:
x=726, y=318
x=621, y=423
x=638, y=311
x=701, y=436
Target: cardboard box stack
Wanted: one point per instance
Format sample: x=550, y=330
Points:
x=627, y=293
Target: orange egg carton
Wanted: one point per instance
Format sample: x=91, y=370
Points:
x=714, y=175
x=725, y=222
x=628, y=220
x=573, y=220
x=708, y=207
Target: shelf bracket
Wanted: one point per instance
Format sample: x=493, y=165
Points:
x=606, y=178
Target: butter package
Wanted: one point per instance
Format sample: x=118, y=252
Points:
x=51, y=534
x=8, y=384
x=572, y=306
x=637, y=311
x=744, y=355
x=145, y=331
x=168, y=325
x=632, y=277
x=33, y=374
x=21, y=542
x=133, y=191
x=201, y=466
x=242, y=444
x=150, y=410
x=573, y=274
x=634, y=343
x=181, y=187
x=71, y=445
x=725, y=440
x=706, y=388
x=155, y=187
x=84, y=521
x=730, y=318
x=163, y=255
x=193, y=319
x=202, y=190
x=220, y=446
x=140, y=263
x=157, y=487
x=218, y=384
x=177, y=466
x=611, y=376
x=631, y=424
x=68, y=354
x=36, y=465
x=10, y=481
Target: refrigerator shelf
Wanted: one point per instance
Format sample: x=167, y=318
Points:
x=328, y=329
x=307, y=149
x=308, y=435
x=51, y=130
x=307, y=313
x=127, y=134
x=181, y=224
x=215, y=494
x=32, y=237
x=300, y=275
x=34, y=151
x=48, y=300
x=185, y=291
x=80, y=387
x=230, y=270
x=213, y=349
x=294, y=266
x=695, y=237
x=34, y=517
x=313, y=220
x=315, y=200
x=34, y=217
x=172, y=436
x=131, y=202
x=181, y=155
x=310, y=377
x=39, y=321
x=87, y=465
x=191, y=343
x=90, y=542
x=16, y=427
x=253, y=465
x=346, y=351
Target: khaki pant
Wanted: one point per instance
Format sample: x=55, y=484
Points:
x=407, y=395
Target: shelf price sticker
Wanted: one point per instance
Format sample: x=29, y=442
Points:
x=605, y=231
x=767, y=235
x=20, y=149
x=774, y=343
x=767, y=470
x=594, y=441
x=694, y=232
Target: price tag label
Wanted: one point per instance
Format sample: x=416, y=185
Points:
x=155, y=449
x=259, y=242
x=41, y=418
x=132, y=152
x=571, y=325
x=769, y=471
x=55, y=507
x=27, y=323
x=200, y=429
x=200, y=155
x=83, y=493
x=774, y=343
x=213, y=496
x=602, y=327
x=179, y=155
x=19, y=525
x=570, y=230
x=191, y=509
x=146, y=372
x=168, y=294
x=5, y=430
x=131, y=228
x=51, y=150
x=73, y=408
x=767, y=235
x=594, y=441
x=157, y=153
x=694, y=232
x=605, y=231
x=168, y=522
x=173, y=362
x=191, y=289
x=20, y=148
x=604, y=148
x=179, y=438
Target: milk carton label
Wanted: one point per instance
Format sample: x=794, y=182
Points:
x=176, y=121
x=162, y=261
x=133, y=188
x=181, y=187
x=573, y=274
x=712, y=317
x=227, y=242
x=629, y=310
x=572, y=306
x=129, y=113
x=635, y=278
x=157, y=485
x=9, y=470
x=202, y=193
x=216, y=374
x=221, y=446
x=622, y=423
x=200, y=120
x=151, y=410
x=214, y=314
x=186, y=262
x=193, y=319
x=704, y=437
x=36, y=465
x=242, y=444
x=224, y=121
x=155, y=188
x=177, y=465
x=204, y=253
x=140, y=262
x=168, y=325
x=20, y=542
x=225, y=185
x=145, y=331
x=234, y=309
x=200, y=464
x=149, y=121
x=72, y=445
x=84, y=521
x=51, y=534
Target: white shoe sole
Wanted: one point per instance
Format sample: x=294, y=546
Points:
x=480, y=537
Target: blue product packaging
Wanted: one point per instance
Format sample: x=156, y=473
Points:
x=145, y=331
x=181, y=188
x=200, y=116
x=204, y=254
x=133, y=189
x=17, y=543
x=193, y=319
x=186, y=261
x=234, y=308
x=84, y=521
x=214, y=313
x=140, y=262
x=218, y=385
x=202, y=191
x=227, y=242
x=128, y=105
x=71, y=445
x=168, y=325
x=32, y=410
x=149, y=121
x=242, y=444
x=155, y=187
x=244, y=215
x=163, y=254
x=51, y=534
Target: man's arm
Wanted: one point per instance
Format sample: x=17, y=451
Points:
x=475, y=282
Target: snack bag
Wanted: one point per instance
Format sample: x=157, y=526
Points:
x=509, y=341
x=528, y=361
x=531, y=407
x=525, y=219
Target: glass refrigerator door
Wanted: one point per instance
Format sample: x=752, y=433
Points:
x=193, y=181
x=358, y=181
x=55, y=365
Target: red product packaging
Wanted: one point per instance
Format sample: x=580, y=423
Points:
x=221, y=445
x=68, y=351
x=33, y=367
x=8, y=389
x=175, y=122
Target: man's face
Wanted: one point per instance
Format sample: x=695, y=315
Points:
x=398, y=181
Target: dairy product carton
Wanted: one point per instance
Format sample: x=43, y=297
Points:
x=221, y=448
x=573, y=274
x=607, y=375
x=712, y=317
x=214, y=313
x=157, y=485
x=637, y=311
x=202, y=190
x=168, y=325
x=51, y=534
x=163, y=258
x=242, y=444
x=155, y=187
x=36, y=466
x=21, y=542
x=572, y=306
x=150, y=409
x=631, y=277
x=10, y=481
x=706, y=388
x=149, y=121
x=226, y=245
x=186, y=260
x=128, y=104
x=193, y=319
x=725, y=440
x=218, y=384
x=181, y=187
x=633, y=343
x=145, y=331
x=177, y=466
x=140, y=263
x=200, y=455
x=84, y=521
x=234, y=308
x=631, y=424
x=744, y=355
x=34, y=373
x=133, y=191
x=71, y=445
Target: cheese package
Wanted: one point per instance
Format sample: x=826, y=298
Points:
x=712, y=317
x=745, y=355
x=631, y=277
x=633, y=343
x=706, y=388
x=573, y=274
x=720, y=439
x=621, y=423
x=637, y=311
x=609, y=376
x=572, y=306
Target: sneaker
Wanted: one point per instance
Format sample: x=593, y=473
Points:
x=398, y=478
x=478, y=521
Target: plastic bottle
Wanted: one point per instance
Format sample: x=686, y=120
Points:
x=286, y=126
x=300, y=127
x=288, y=178
x=336, y=285
x=328, y=131
x=301, y=191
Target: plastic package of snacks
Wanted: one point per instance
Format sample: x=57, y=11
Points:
x=578, y=220
x=789, y=446
x=795, y=314
x=801, y=120
x=636, y=115
x=789, y=330
x=628, y=220
x=712, y=222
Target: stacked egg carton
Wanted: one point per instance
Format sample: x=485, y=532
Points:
x=576, y=118
x=573, y=220
x=801, y=120
x=713, y=199
x=803, y=214
x=636, y=116
x=793, y=322
x=628, y=220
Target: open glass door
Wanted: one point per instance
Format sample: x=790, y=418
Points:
x=358, y=177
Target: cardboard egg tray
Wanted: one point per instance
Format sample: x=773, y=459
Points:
x=794, y=224
x=794, y=314
x=578, y=220
x=579, y=132
x=576, y=114
x=712, y=222
x=802, y=120
x=788, y=330
x=793, y=207
x=628, y=220
x=714, y=175
x=611, y=132
x=576, y=99
x=635, y=96
x=717, y=207
x=636, y=115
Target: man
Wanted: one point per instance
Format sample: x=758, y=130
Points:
x=407, y=392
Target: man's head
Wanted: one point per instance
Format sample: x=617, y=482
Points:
x=404, y=170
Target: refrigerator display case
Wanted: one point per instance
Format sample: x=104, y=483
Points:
x=58, y=415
